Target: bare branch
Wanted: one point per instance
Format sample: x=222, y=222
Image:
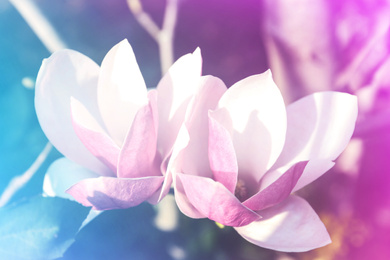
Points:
x=39, y=24
x=167, y=35
x=164, y=36
x=19, y=181
x=144, y=19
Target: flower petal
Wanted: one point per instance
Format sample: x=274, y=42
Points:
x=121, y=90
x=67, y=73
x=196, y=121
x=163, y=191
x=223, y=161
x=106, y=193
x=319, y=127
x=138, y=156
x=214, y=201
x=93, y=136
x=278, y=190
x=314, y=169
x=183, y=202
x=174, y=92
x=291, y=226
x=174, y=166
x=253, y=111
x=61, y=175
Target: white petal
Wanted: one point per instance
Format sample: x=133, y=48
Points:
x=314, y=169
x=254, y=112
x=93, y=136
x=67, y=73
x=121, y=90
x=319, y=127
x=61, y=175
x=174, y=92
x=291, y=226
x=174, y=167
x=206, y=97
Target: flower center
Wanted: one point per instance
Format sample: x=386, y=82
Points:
x=241, y=191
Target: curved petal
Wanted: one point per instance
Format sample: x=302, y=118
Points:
x=223, y=161
x=93, y=136
x=106, y=193
x=207, y=96
x=174, y=92
x=319, y=127
x=61, y=175
x=163, y=191
x=214, y=201
x=183, y=202
x=254, y=113
x=314, y=169
x=174, y=166
x=138, y=156
x=291, y=226
x=278, y=190
x=67, y=73
x=175, y=161
x=121, y=90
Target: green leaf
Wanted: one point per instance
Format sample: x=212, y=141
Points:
x=39, y=228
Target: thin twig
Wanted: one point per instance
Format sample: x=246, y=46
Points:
x=19, y=181
x=144, y=19
x=39, y=24
x=50, y=39
x=164, y=36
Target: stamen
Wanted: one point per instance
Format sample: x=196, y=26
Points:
x=241, y=191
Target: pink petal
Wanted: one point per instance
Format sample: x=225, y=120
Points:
x=173, y=167
x=121, y=90
x=106, y=193
x=253, y=111
x=208, y=93
x=138, y=157
x=223, y=161
x=67, y=73
x=168, y=178
x=175, y=162
x=319, y=127
x=174, y=92
x=291, y=226
x=314, y=169
x=278, y=190
x=183, y=202
x=93, y=136
x=214, y=201
x=163, y=191
x=61, y=175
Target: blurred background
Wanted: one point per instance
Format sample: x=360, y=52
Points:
x=309, y=45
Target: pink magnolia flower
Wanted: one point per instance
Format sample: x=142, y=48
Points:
x=115, y=134
x=241, y=153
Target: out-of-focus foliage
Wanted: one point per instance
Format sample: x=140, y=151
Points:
x=39, y=228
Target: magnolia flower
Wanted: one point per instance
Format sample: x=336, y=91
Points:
x=116, y=136
x=241, y=153
x=351, y=54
